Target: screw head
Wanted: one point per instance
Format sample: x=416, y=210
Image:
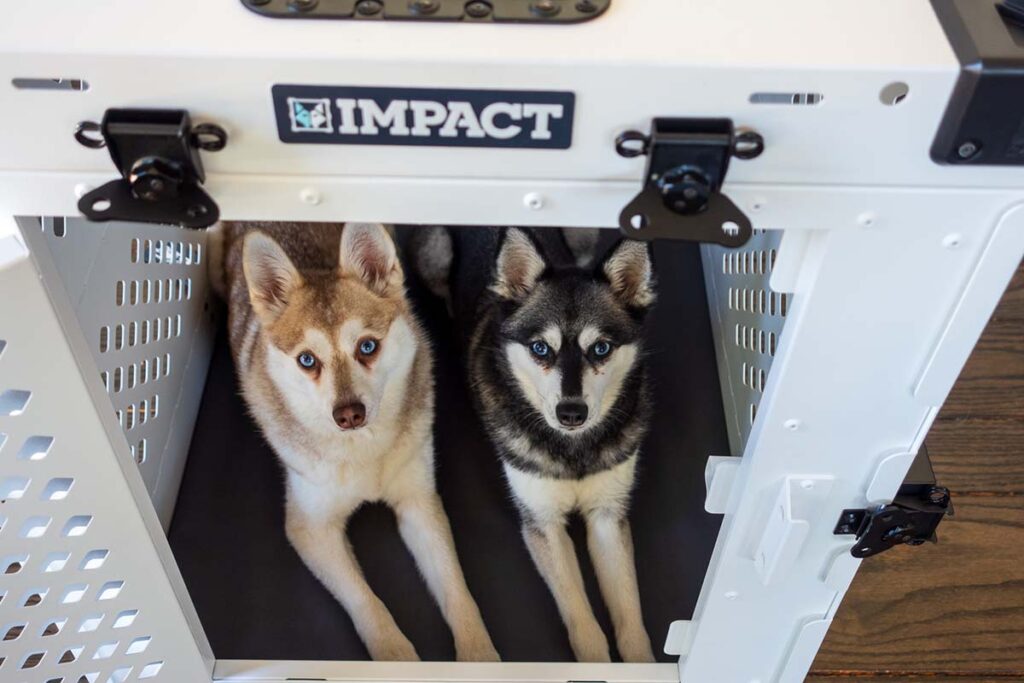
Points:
x=302, y=5
x=368, y=8
x=968, y=149
x=478, y=9
x=155, y=179
x=424, y=6
x=684, y=191
x=545, y=8
x=196, y=210
x=586, y=6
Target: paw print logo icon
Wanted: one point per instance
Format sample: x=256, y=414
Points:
x=310, y=115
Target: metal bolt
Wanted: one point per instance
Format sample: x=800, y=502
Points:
x=368, y=8
x=968, y=149
x=478, y=9
x=424, y=6
x=196, y=210
x=302, y=5
x=938, y=495
x=586, y=6
x=546, y=8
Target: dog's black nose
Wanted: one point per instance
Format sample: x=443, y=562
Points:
x=571, y=413
x=351, y=416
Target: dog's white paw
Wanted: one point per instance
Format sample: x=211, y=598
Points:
x=634, y=645
x=394, y=647
x=589, y=643
x=476, y=648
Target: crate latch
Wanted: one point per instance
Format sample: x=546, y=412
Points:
x=686, y=164
x=910, y=519
x=157, y=153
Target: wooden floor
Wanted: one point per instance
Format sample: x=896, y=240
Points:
x=953, y=612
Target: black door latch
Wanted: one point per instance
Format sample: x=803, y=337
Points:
x=686, y=164
x=157, y=153
x=911, y=519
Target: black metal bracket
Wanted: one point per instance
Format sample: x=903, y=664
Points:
x=911, y=519
x=468, y=11
x=687, y=160
x=157, y=153
x=984, y=120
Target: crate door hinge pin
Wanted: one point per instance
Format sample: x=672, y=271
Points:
x=157, y=153
x=687, y=160
x=911, y=519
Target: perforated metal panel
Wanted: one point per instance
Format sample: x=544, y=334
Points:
x=88, y=590
x=747, y=320
x=139, y=292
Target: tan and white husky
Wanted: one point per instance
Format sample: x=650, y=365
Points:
x=338, y=374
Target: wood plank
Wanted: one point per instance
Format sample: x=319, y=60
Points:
x=1012, y=305
x=992, y=382
x=955, y=607
x=972, y=454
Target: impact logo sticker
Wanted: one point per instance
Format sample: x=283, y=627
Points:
x=424, y=117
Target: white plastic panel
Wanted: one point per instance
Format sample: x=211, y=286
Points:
x=140, y=297
x=747, y=319
x=84, y=595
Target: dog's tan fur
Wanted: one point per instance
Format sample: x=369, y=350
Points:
x=322, y=289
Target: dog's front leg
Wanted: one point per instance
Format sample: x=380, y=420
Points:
x=553, y=553
x=425, y=529
x=611, y=550
x=322, y=545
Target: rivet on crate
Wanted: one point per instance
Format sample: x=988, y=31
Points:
x=310, y=196
x=533, y=201
x=867, y=219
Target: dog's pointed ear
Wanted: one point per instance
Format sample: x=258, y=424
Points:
x=368, y=253
x=269, y=273
x=629, y=270
x=518, y=267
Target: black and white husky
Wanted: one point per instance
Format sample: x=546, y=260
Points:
x=556, y=366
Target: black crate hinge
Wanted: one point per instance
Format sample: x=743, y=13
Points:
x=911, y=519
x=687, y=160
x=157, y=153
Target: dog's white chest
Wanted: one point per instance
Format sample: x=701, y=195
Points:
x=547, y=499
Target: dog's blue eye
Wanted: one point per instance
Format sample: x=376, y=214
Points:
x=307, y=360
x=602, y=348
x=539, y=348
x=368, y=347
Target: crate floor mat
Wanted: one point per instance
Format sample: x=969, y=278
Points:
x=256, y=599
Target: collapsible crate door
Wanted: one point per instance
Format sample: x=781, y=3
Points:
x=88, y=586
x=140, y=297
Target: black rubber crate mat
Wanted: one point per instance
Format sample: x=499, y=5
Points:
x=257, y=600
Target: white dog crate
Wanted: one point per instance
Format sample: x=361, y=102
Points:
x=887, y=219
